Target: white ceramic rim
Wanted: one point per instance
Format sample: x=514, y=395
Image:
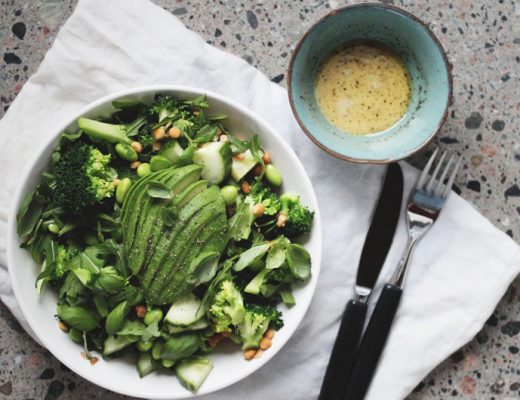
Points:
x=303, y=304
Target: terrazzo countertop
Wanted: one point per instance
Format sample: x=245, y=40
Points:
x=482, y=40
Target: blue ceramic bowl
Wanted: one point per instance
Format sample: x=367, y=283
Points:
x=420, y=50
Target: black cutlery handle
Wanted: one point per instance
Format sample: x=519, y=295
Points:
x=343, y=353
x=373, y=342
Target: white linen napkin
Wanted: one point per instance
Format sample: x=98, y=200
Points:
x=458, y=274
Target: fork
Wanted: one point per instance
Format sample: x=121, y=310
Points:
x=423, y=209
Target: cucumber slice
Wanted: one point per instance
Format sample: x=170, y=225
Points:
x=145, y=364
x=197, y=326
x=239, y=168
x=215, y=160
x=192, y=372
x=185, y=311
x=113, y=344
x=172, y=151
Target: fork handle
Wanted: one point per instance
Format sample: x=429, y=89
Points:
x=373, y=342
x=343, y=353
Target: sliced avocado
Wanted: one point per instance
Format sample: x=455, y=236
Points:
x=161, y=289
x=154, y=223
x=165, y=246
x=239, y=168
x=189, y=193
x=210, y=239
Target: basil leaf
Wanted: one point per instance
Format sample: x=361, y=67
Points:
x=109, y=280
x=116, y=318
x=72, y=289
x=101, y=305
x=276, y=256
x=299, y=261
x=179, y=347
x=205, y=134
x=28, y=214
x=158, y=190
x=248, y=257
x=78, y=317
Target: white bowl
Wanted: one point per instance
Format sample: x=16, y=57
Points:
x=120, y=375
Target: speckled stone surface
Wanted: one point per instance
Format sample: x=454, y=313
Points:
x=482, y=39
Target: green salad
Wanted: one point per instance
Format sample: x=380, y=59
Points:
x=163, y=234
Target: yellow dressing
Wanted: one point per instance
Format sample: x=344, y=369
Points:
x=363, y=89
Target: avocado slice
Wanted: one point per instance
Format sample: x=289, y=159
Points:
x=189, y=238
x=150, y=232
x=165, y=247
x=209, y=237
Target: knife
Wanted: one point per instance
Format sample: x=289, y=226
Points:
x=377, y=244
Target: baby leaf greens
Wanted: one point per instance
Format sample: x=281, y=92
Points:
x=162, y=236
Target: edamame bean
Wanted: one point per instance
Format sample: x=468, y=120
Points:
x=159, y=162
x=167, y=363
x=272, y=175
x=53, y=228
x=153, y=315
x=229, y=193
x=126, y=152
x=144, y=346
x=143, y=170
x=122, y=189
x=157, y=350
x=75, y=335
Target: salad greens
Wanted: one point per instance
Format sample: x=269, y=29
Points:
x=163, y=234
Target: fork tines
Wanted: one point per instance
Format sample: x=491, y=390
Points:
x=434, y=185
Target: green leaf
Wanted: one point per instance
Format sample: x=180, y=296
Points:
x=109, y=280
x=72, y=289
x=28, y=214
x=276, y=256
x=299, y=261
x=238, y=146
x=116, y=318
x=199, y=101
x=206, y=134
x=240, y=223
x=101, y=305
x=136, y=329
x=84, y=275
x=158, y=190
x=203, y=267
x=186, y=156
x=248, y=257
x=78, y=317
x=217, y=117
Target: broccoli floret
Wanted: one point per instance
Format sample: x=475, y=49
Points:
x=257, y=320
x=163, y=107
x=263, y=194
x=61, y=262
x=299, y=217
x=83, y=177
x=227, y=308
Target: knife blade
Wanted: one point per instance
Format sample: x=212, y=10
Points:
x=375, y=249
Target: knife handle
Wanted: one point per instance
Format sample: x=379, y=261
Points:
x=342, y=357
x=373, y=342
